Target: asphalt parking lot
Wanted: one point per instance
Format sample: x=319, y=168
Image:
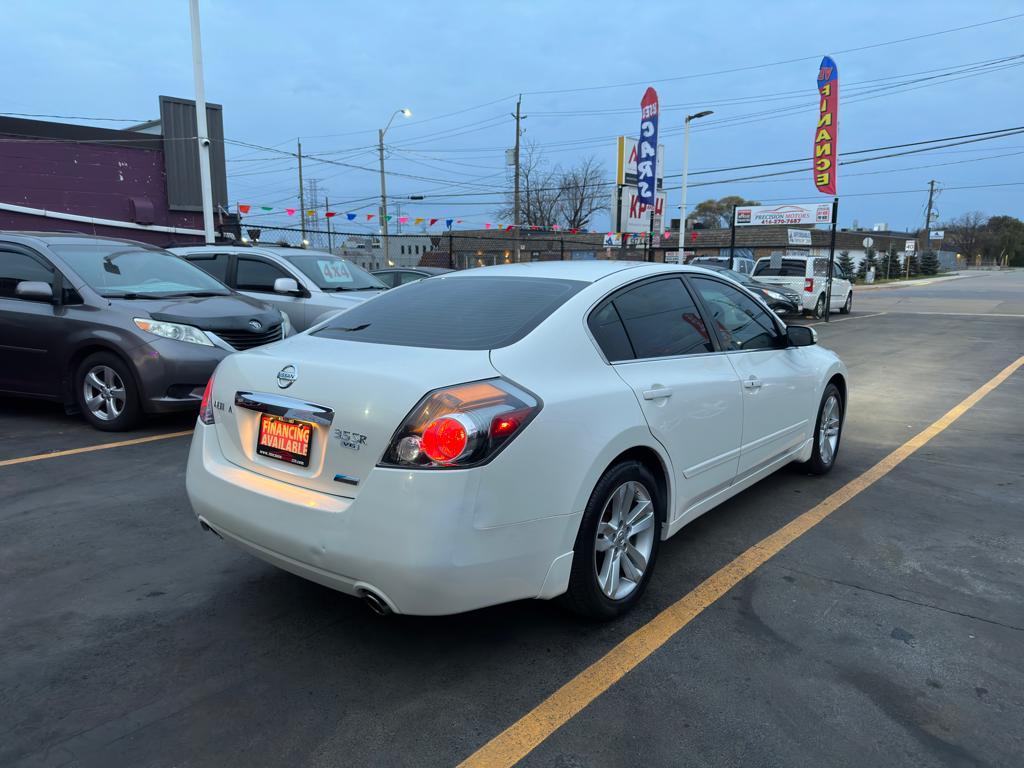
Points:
x=890, y=633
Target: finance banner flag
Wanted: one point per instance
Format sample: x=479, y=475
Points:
x=647, y=149
x=827, y=132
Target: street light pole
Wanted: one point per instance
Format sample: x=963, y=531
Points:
x=383, y=183
x=686, y=168
x=202, y=132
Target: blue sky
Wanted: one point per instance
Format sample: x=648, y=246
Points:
x=333, y=72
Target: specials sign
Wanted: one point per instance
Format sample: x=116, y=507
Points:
x=760, y=215
x=647, y=149
x=827, y=131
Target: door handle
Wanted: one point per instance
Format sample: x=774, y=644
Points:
x=752, y=383
x=657, y=394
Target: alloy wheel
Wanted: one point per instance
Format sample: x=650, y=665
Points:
x=828, y=432
x=104, y=393
x=625, y=539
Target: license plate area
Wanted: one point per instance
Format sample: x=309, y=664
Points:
x=285, y=440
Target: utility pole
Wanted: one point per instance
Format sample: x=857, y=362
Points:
x=383, y=213
x=330, y=238
x=302, y=195
x=927, y=223
x=515, y=187
x=202, y=132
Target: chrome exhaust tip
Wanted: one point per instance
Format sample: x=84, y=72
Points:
x=375, y=604
x=205, y=526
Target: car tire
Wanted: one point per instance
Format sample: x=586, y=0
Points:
x=826, y=441
x=848, y=305
x=106, y=393
x=612, y=563
x=819, y=308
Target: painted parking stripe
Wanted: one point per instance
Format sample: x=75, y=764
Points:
x=523, y=736
x=90, y=448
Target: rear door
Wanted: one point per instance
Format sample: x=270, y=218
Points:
x=654, y=336
x=777, y=383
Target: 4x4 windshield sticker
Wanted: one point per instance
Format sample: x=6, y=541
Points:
x=334, y=270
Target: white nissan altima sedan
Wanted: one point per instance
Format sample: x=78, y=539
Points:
x=520, y=431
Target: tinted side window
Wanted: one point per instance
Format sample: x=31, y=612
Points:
x=662, y=320
x=740, y=320
x=257, y=275
x=16, y=268
x=408, y=277
x=610, y=333
x=390, y=279
x=215, y=264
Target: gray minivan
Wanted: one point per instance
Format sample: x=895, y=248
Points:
x=115, y=328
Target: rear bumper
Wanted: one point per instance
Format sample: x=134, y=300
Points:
x=172, y=374
x=409, y=537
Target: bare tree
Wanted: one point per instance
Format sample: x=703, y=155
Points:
x=966, y=234
x=583, y=193
x=540, y=191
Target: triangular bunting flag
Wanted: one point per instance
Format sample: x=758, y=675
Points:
x=350, y=216
x=369, y=216
x=266, y=208
x=311, y=212
x=244, y=208
x=433, y=222
x=448, y=223
x=458, y=221
x=487, y=225
x=330, y=214
x=290, y=211
x=403, y=219
x=418, y=220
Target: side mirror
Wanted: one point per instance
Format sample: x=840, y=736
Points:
x=286, y=285
x=801, y=336
x=36, y=291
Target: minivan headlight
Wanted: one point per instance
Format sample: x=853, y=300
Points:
x=175, y=331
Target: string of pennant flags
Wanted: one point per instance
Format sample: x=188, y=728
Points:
x=431, y=221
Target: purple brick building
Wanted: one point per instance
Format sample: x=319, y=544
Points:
x=141, y=183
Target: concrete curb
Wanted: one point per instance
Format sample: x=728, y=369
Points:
x=911, y=283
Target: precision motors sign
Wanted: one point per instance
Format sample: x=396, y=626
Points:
x=762, y=215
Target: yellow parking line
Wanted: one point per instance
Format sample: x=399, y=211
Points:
x=523, y=736
x=90, y=448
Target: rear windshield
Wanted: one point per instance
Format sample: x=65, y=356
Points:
x=485, y=312
x=789, y=268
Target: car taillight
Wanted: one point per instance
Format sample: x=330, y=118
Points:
x=462, y=426
x=206, y=407
x=809, y=284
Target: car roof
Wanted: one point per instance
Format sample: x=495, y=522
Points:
x=50, y=238
x=588, y=271
x=424, y=270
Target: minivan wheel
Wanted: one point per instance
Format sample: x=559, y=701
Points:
x=819, y=308
x=106, y=393
x=848, y=305
x=827, y=432
x=617, y=543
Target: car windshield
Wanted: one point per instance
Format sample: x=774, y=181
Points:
x=122, y=270
x=479, y=312
x=739, y=277
x=786, y=268
x=333, y=273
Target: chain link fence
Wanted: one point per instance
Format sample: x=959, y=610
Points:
x=455, y=249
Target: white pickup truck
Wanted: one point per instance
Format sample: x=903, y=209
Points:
x=808, y=276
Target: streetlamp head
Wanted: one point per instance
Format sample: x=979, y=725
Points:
x=705, y=113
x=407, y=112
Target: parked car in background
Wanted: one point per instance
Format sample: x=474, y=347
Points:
x=117, y=328
x=739, y=264
x=537, y=432
x=308, y=285
x=781, y=300
x=395, y=276
x=808, y=275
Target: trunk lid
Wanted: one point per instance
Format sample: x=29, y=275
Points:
x=354, y=395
